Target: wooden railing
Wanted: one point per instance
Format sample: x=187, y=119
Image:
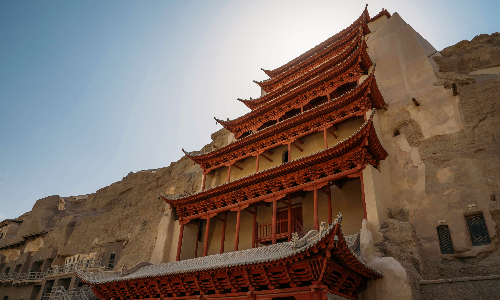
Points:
x=38, y=276
x=264, y=230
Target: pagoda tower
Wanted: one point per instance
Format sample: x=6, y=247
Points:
x=263, y=225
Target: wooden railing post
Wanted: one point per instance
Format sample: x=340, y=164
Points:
x=254, y=226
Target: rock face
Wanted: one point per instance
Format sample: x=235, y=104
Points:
x=123, y=216
x=481, y=52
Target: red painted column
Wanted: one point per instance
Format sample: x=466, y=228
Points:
x=179, y=244
x=197, y=239
x=223, y=233
x=203, y=182
x=329, y=195
x=325, y=137
x=363, y=196
x=273, y=225
x=229, y=174
x=207, y=230
x=289, y=218
x=257, y=164
x=289, y=153
x=237, y=237
x=316, y=222
x=254, y=227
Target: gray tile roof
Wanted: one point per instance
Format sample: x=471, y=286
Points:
x=238, y=258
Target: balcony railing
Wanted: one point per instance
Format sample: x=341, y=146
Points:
x=38, y=276
x=264, y=230
x=60, y=293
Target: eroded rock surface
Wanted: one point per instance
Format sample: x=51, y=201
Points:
x=124, y=214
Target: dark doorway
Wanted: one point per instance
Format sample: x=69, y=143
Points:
x=48, y=286
x=64, y=282
x=34, y=292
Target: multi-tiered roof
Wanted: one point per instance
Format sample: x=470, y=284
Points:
x=329, y=84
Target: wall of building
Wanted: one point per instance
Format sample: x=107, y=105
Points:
x=442, y=165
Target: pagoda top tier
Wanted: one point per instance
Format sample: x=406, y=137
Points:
x=348, y=68
x=363, y=19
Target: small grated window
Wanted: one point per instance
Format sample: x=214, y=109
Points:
x=111, y=263
x=445, y=239
x=478, y=231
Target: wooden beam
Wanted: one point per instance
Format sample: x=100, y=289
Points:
x=203, y=182
x=289, y=153
x=329, y=197
x=266, y=157
x=207, y=230
x=273, y=224
x=269, y=152
x=289, y=217
x=300, y=141
x=223, y=233
x=237, y=236
x=316, y=220
x=331, y=132
x=300, y=149
x=254, y=228
x=363, y=196
x=179, y=243
x=237, y=166
x=197, y=238
x=325, y=138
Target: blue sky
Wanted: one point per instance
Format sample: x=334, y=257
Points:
x=92, y=90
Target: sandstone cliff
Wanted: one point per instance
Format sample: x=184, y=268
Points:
x=123, y=215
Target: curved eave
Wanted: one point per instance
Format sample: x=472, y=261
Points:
x=383, y=12
x=363, y=18
x=359, y=56
x=374, y=95
x=365, y=133
x=267, y=85
x=340, y=252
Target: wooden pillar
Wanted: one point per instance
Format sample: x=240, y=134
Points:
x=289, y=218
x=254, y=227
x=257, y=163
x=363, y=196
x=179, y=244
x=207, y=230
x=223, y=233
x=203, y=182
x=229, y=174
x=197, y=238
x=237, y=236
x=316, y=221
x=289, y=152
x=329, y=196
x=325, y=137
x=273, y=224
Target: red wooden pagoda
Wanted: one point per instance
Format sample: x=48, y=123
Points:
x=323, y=88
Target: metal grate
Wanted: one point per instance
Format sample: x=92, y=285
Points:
x=445, y=239
x=478, y=231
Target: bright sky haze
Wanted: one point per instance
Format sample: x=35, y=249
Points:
x=93, y=90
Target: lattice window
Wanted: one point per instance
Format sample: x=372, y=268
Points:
x=478, y=231
x=111, y=263
x=445, y=239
